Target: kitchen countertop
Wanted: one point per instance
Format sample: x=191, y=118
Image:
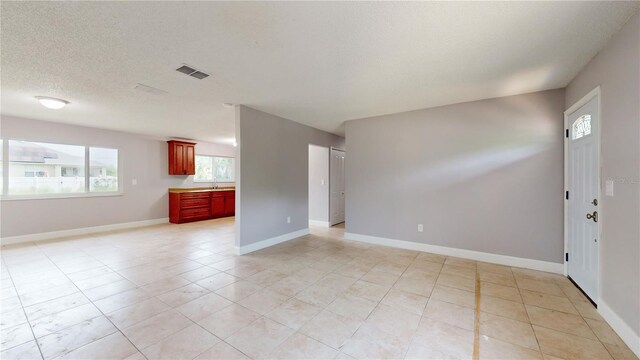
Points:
x=201, y=189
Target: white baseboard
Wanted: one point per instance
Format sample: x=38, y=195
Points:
x=241, y=250
x=625, y=332
x=462, y=253
x=79, y=231
x=319, y=223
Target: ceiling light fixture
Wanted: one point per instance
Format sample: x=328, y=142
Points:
x=52, y=103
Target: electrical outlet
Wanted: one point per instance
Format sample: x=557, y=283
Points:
x=420, y=228
x=321, y=181
x=288, y=219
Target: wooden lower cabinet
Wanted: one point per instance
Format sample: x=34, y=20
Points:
x=217, y=204
x=230, y=204
x=201, y=205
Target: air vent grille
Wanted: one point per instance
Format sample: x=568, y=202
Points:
x=199, y=75
x=189, y=70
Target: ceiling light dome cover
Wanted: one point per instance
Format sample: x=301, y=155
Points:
x=52, y=103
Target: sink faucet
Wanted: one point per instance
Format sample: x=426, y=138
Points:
x=215, y=183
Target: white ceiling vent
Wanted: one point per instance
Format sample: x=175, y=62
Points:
x=189, y=70
x=149, y=89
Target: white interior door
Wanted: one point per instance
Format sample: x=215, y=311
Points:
x=583, y=185
x=336, y=187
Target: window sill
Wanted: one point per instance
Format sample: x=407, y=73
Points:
x=58, y=196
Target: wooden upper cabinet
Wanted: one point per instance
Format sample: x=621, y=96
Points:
x=190, y=159
x=182, y=158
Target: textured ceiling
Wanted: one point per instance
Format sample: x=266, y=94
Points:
x=316, y=63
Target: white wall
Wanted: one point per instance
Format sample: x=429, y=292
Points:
x=144, y=159
x=485, y=176
x=616, y=69
x=319, y=184
x=273, y=175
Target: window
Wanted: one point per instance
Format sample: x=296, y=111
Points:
x=223, y=169
x=103, y=170
x=581, y=127
x=41, y=168
x=37, y=168
x=204, y=168
x=214, y=168
x=70, y=171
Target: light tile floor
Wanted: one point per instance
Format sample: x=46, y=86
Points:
x=179, y=292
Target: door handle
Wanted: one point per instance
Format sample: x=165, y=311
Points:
x=593, y=216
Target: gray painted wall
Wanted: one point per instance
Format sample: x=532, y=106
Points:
x=144, y=159
x=617, y=70
x=318, y=183
x=273, y=174
x=484, y=176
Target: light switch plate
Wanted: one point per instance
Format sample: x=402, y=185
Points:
x=609, y=187
x=134, y=182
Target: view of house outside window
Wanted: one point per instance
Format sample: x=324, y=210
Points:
x=103, y=172
x=218, y=168
x=44, y=168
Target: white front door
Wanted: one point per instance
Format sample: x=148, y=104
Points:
x=583, y=191
x=336, y=187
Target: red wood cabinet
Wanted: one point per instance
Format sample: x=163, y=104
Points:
x=229, y=203
x=217, y=204
x=182, y=158
x=201, y=205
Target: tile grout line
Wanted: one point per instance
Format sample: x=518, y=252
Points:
x=174, y=308
x=476, y=328
x=37, y=246
x=385, y=295
x=35, y=339
x=97, y=308
x=561, y=331
x=515, y=280
x=429, y=298
x=477, y=316
x=362, y=322
x=339, y=349
x=264, y=316
x=535, y=334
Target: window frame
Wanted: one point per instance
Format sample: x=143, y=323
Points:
x=5, y=196
x=233, y=180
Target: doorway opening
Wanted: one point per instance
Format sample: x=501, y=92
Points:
x=326, y=186
x=336, y=187
x=319, y=186
x=582, y=197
